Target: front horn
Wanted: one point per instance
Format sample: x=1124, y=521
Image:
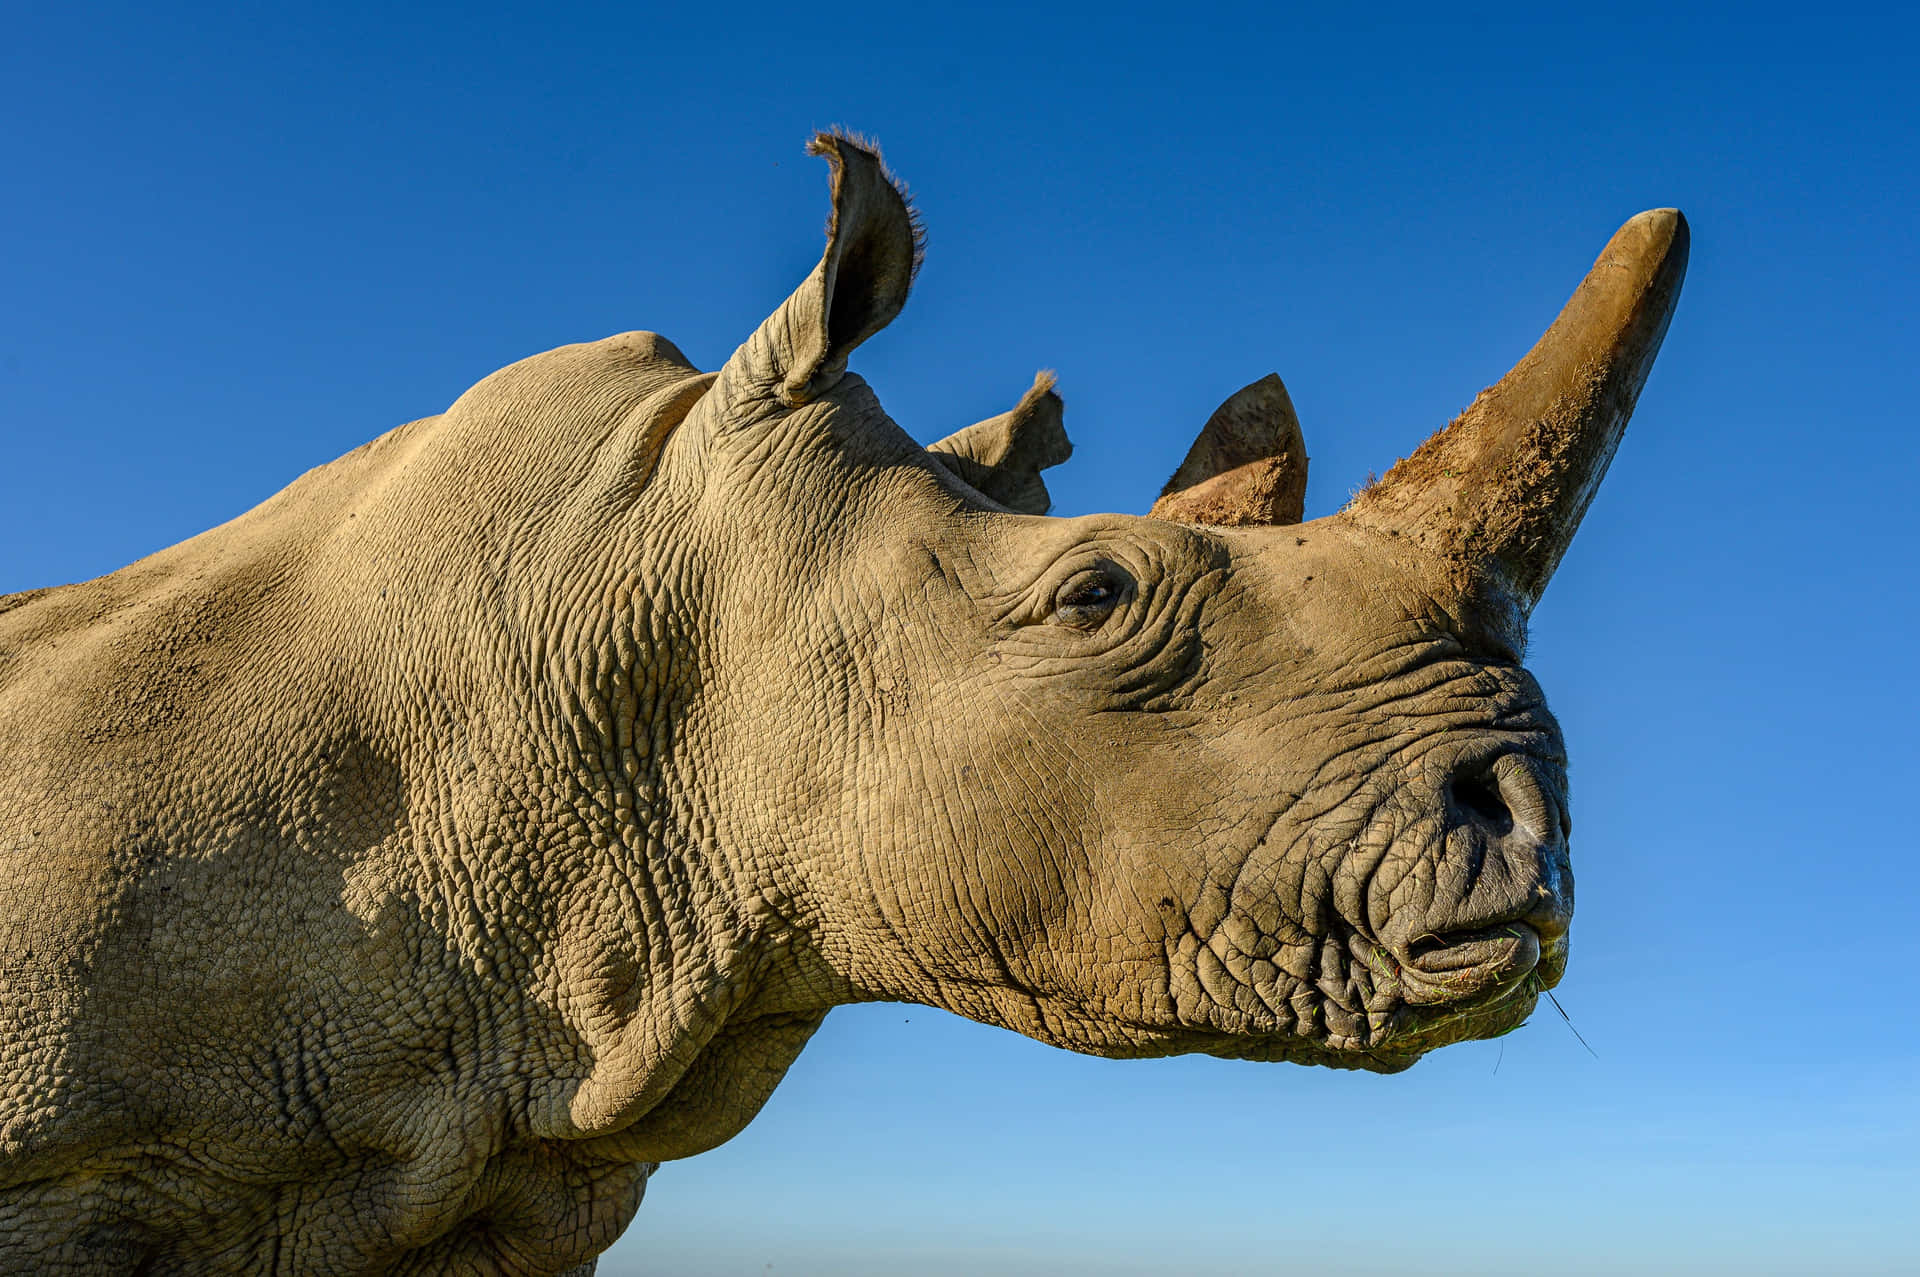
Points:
x=1498, y=494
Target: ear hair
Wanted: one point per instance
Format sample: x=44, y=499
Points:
x=1004, y=455
x=875, y=244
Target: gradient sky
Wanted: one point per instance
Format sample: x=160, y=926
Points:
x=238, y=242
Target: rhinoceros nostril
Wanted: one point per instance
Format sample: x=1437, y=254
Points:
x=1478, y=796
x=1527, y=795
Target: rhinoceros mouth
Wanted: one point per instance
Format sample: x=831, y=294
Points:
x=1377, y=1010
x=1462, y=965
x=1471, y=984
x=1467, y=969
x=1399, y=1037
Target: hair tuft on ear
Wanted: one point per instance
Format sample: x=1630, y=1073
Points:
x=874, y=247
x=827, y=143
x=1002, y=457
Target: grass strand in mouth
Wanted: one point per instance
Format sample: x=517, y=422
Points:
x=1569, y=1019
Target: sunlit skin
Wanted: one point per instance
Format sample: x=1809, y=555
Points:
x=399, y=872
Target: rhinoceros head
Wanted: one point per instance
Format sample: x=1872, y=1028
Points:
x=1212, y=779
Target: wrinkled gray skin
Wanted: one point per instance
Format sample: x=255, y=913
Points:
x=390, y=877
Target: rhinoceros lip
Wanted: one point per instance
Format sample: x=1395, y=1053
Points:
x=1462, y=965
x=1453, y=988
x=1471, y=984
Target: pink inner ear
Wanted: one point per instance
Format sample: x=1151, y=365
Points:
x=1271, y=490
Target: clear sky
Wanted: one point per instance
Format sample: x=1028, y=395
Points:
x=238, y=242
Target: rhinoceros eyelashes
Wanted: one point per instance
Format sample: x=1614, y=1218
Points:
x=1086, y=599
x=1089, y=589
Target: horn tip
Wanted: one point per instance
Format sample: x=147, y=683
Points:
x=1662, y=230
x=1663, y=217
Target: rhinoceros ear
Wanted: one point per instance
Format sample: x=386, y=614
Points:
x=874, y=244
x=1004, y=455
x=1249, y=465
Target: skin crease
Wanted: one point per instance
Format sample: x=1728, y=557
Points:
x=391, y=877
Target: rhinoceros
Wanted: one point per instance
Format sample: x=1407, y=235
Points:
x=396, y=874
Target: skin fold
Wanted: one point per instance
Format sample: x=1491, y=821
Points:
x=391, y=877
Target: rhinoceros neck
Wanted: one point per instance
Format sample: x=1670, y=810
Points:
x=396, y=738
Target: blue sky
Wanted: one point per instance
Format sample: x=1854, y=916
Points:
x=238, y=242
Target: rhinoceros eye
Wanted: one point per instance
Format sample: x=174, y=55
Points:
x=1086, y=599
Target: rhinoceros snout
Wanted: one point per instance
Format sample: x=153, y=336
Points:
x=1510, y=799
x=1509, y=904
